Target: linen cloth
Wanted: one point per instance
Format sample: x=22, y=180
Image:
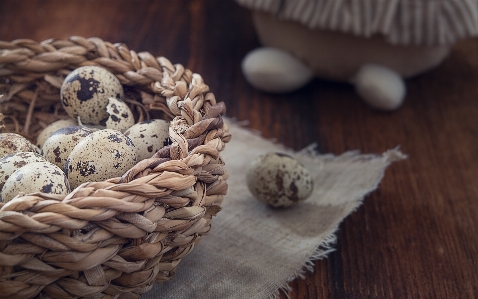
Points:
x=253, y=250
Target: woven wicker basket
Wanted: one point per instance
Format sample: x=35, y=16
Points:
x=110, y=239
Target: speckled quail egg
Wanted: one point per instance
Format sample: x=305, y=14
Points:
x=10, y=163
x=102, y=155
x=149, y=137
x=35, y=177
x=54, y=126
x=120, y=116
x=59, y=145
x=11, y=143
x=279, y=180
x=85, y=93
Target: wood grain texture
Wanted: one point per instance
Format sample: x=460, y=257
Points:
x=417, y=235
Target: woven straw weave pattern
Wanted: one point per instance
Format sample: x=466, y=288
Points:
x=110, y=239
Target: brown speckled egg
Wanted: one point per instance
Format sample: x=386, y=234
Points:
x=85, y=93
x=52, y=128
x=149, y=137
x=10, y=163
x=35, y=177
x=279, y=180
x=102, y=155
x=120, y=116
x=11, y=143
x=59, y=145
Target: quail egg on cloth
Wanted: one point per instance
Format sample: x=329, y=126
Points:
x=120, y=116
x=101, y=155
x=59, y=145
x=149, y=137
x=11, y=143
x=85, y=93
x=10, y=163
x=35, y=177
x=279, y=180
x=52, y=128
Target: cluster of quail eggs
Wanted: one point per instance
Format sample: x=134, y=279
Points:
x=99, y=141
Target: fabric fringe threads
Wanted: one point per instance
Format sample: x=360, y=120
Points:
x=110, y=239
x=254, y=251
x=427, y=22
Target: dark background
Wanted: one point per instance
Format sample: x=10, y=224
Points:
x=417, y=235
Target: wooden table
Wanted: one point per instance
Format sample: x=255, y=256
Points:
x=417, y=235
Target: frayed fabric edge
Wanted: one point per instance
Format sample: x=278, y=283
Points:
x=310, y=151
x=327, y=245
x=321, y=252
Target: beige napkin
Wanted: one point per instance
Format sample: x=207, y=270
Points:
x=253, y=251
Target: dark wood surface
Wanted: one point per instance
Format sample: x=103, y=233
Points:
x=417, y=235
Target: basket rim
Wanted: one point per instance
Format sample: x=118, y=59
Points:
x=152, y=215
